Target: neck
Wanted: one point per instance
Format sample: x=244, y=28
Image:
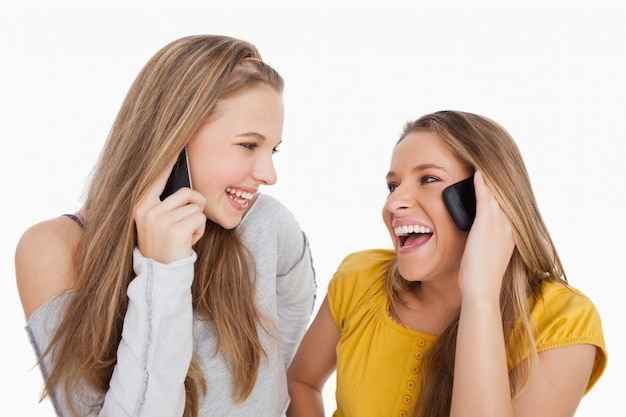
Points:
x=428, y=307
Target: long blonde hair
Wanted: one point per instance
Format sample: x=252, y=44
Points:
x=484, y=145
x=170, y=99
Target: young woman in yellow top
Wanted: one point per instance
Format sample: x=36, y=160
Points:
x=451, y=322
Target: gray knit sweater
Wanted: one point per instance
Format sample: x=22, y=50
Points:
x=161, y=329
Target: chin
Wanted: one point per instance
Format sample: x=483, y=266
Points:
x=226, y=222
x=229, y=224
x=409, y=273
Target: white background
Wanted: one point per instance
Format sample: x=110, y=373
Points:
x=552, y=73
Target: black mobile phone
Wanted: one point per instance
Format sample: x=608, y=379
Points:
x=460, y=199
x=179, y=177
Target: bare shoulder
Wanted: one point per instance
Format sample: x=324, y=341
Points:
x=44, y=261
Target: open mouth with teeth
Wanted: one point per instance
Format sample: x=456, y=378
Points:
x=239, y=196
x=412, y=235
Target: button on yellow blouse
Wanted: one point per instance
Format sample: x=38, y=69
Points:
x=378, y=360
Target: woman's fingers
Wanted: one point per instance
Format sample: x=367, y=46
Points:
x=167, y=230
x=489, y=246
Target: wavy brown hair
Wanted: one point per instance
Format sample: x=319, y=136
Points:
x=173, y=95
x=484, y=145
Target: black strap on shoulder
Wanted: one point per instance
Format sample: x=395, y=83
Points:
x=76, y=219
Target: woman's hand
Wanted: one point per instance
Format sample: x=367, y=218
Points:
x=167, y=230
x=488, y=249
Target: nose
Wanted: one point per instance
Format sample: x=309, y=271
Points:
x=264, y=170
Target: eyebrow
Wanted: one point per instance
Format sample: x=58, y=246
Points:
x=253, y=134
x=256, y=135
x=419, y=168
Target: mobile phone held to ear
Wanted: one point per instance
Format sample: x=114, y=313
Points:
x=179, y=177
x=460, y=199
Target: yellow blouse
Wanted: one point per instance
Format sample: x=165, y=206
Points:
x=379, y=361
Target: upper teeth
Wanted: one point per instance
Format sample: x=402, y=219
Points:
x=239, y=193
x=405, y=230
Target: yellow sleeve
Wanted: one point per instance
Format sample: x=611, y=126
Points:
x=351, y=284
x=564, y=316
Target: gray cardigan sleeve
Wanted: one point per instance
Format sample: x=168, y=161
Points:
x=295, y=290
x=154, y=354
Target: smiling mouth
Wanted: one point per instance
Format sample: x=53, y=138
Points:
x=412, y=235
x=241, y=197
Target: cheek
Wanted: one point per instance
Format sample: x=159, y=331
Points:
x=454, y=238
x=216, y=176
x=210, y=166
x=456, y=244
x=206, y=174
x=442, y=218
x=386, y=216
